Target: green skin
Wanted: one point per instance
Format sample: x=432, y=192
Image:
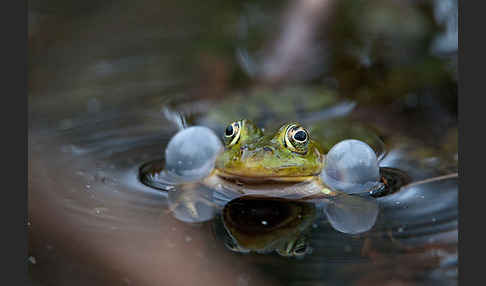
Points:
x=268, y=157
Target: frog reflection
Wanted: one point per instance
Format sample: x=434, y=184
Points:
x=263, y=224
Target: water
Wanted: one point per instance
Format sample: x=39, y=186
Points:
x=97, y=92
x=85, y=190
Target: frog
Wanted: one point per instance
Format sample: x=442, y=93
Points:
x=284, y=163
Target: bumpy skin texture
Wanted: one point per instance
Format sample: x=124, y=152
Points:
x=256, y=155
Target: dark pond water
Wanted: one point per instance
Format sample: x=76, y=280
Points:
x=102, y=74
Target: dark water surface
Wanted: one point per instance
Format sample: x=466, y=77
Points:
x=85, y=196
x=100, y=77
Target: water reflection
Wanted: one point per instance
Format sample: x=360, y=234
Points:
x=263, y=225
x=191, y=203
x=267, y=220
x=415, y=223
x=95, y=183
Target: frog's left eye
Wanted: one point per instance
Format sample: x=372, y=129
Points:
x=232, y=133
x=300, y=248
x=296, y=139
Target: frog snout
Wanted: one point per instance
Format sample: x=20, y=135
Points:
x=257, y=154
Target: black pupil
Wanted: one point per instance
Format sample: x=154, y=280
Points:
x=229, y=130
x=300, y=136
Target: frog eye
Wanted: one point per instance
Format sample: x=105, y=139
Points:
x=296, y=139
x=300, y=248
x=232, y=133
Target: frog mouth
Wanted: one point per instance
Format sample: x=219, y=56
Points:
x=259, y=178
x=297, y=187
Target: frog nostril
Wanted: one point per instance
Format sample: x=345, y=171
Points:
x=268, y=149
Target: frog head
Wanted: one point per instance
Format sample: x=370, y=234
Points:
x=288, y=154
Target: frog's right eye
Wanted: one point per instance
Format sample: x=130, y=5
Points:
x=232, y=133
x=296, y=139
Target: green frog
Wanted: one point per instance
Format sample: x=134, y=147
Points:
x=286, y=164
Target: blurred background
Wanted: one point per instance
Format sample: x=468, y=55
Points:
x=101, y=72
